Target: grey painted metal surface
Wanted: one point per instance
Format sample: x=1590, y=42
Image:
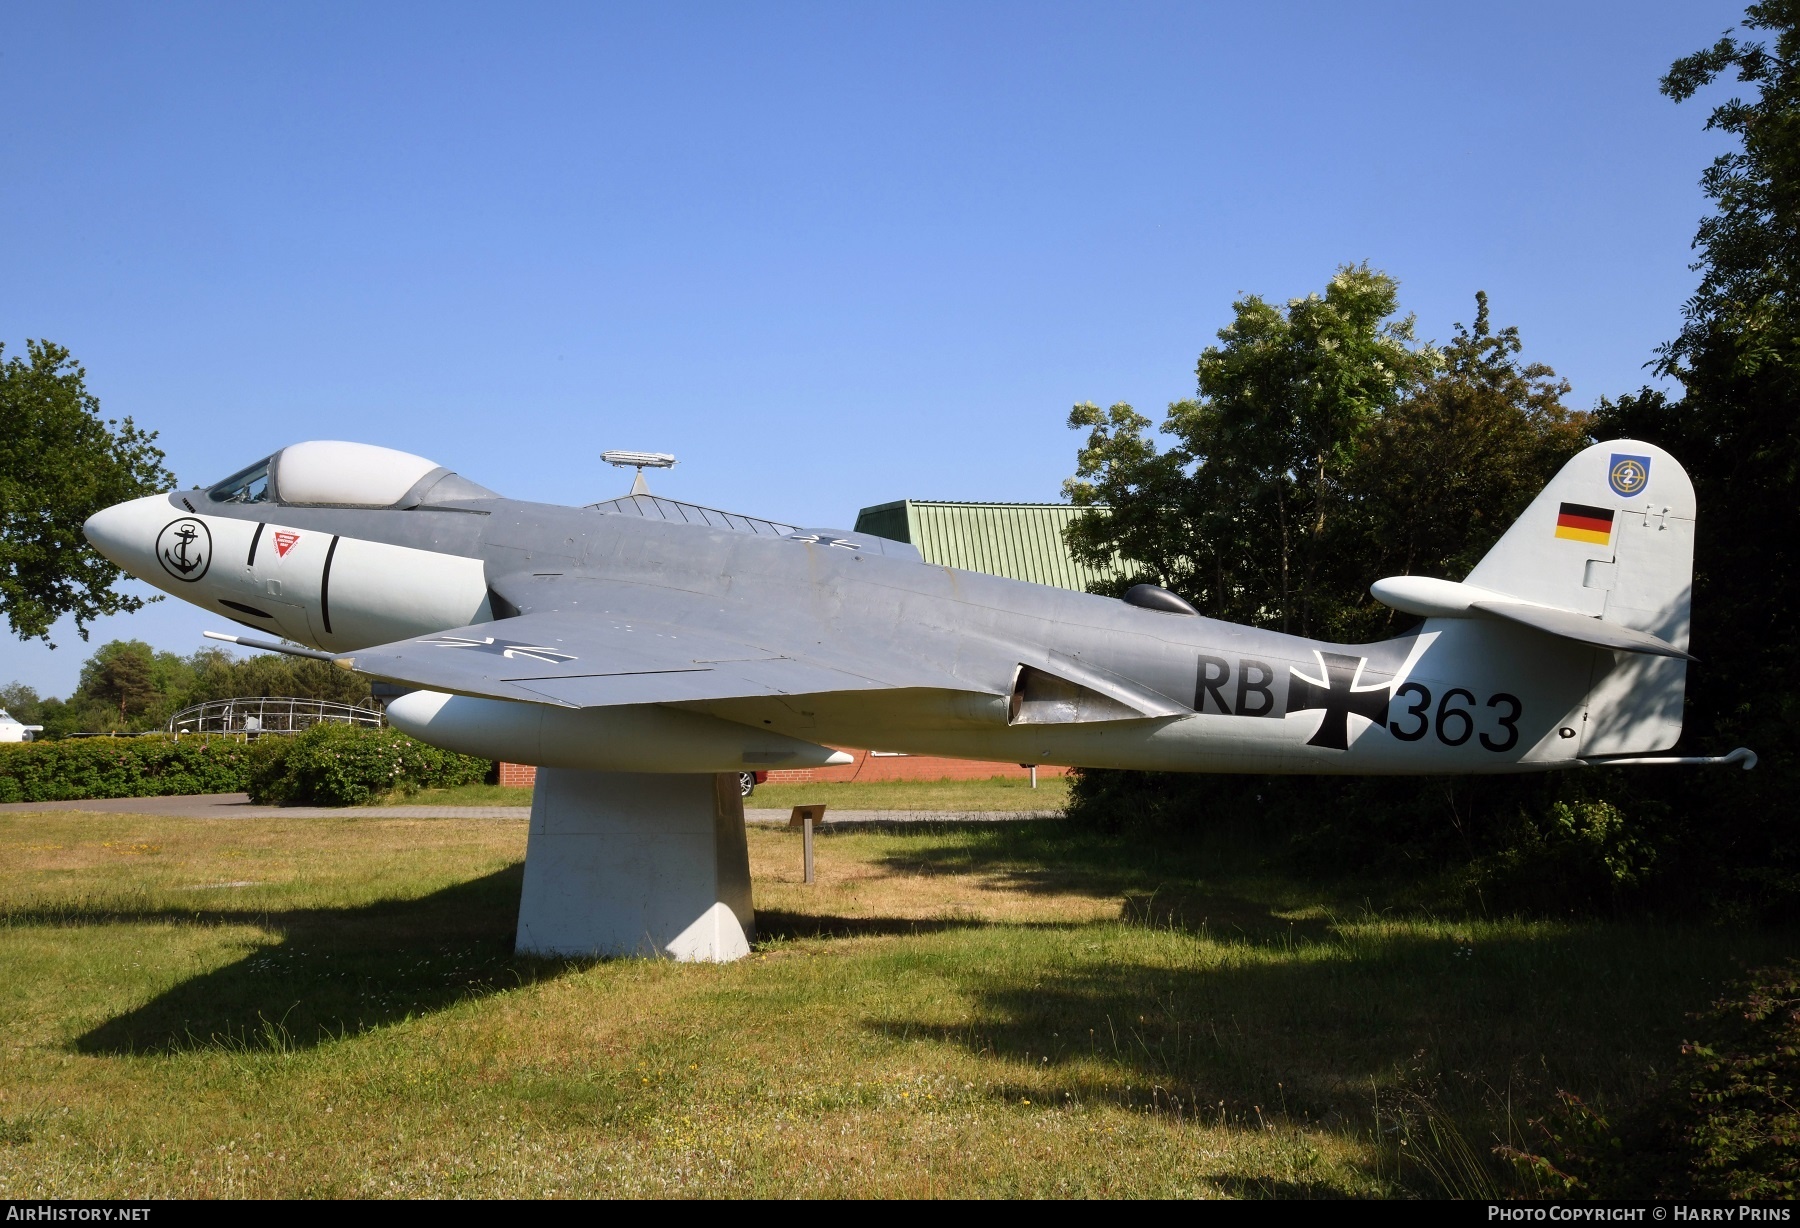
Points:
x=825, y=636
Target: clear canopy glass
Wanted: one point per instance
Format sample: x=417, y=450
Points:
x=249, y=485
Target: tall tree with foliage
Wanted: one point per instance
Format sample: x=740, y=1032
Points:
x=122, y=675
x=128, y=686
x=1239, y=514
x=1418, y=468
x=22, y=702
x=1737, y=431
x=1266, y=479
x=60, y=462
x=1441, y=475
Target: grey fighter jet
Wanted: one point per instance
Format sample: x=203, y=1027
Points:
x=647, y=635
x=632, y=648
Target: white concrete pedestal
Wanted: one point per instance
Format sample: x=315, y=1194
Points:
x=626, y=863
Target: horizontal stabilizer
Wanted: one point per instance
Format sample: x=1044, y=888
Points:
x=1580, y=628
x=1432, y=598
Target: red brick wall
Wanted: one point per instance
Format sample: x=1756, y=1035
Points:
x=517, y=775
x=908, y=767
x=866, y=767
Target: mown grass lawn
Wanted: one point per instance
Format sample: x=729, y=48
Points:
x=998, y=793
x=331, y=1007
x=995, y=793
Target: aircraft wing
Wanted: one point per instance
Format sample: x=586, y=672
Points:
x=593, y=660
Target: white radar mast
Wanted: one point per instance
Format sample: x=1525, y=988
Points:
x=640, y=461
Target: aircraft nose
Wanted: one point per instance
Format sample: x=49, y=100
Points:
x=126, y=532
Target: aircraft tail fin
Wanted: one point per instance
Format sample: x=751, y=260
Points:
x=1611, y=538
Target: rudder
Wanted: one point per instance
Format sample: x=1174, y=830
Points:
x=1612, y=537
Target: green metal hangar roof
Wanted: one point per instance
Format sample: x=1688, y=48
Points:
x=1023, y=541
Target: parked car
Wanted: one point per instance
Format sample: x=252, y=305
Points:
x=747, y=782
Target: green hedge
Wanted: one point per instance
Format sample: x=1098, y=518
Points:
x=329, y=765
x=342, y=765
x=75, y=768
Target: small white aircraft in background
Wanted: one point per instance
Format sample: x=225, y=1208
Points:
x=12, y=731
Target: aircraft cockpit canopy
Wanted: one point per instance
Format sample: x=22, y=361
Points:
x=332, y=473
x=245, y=486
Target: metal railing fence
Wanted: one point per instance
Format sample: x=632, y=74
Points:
x=271, y=714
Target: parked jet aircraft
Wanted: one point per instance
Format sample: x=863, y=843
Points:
x=647, y=635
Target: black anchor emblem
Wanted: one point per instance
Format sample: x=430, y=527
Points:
x=184, y=548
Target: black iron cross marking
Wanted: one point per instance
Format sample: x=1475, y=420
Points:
x=1337, y=698
x=509, y=649
x=817, y=539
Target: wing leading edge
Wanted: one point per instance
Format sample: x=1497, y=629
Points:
x=692, y=652
x=591, y=661
x=583, y=661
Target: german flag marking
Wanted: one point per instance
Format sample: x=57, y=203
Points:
x=1581, y=523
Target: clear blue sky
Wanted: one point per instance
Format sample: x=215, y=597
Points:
x=828, y=254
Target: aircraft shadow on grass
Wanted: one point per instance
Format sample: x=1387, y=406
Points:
x=1159, y=888
x=1415, y=1035
x=341, y=972
x=775, y=924
x=1295, y=1020
x=335, y=972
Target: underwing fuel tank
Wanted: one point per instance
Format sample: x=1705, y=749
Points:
x=636, y=738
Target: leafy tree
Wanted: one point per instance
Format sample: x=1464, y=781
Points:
x=122, y=676
x=1735, y=430
x=1743, y=310
x=1721, y=842
x=22, y=702
x=127, y=686
x=216, y=674
x=1439, y=477
x=61, y=718
x=60, y=462
x=1238, y=515
x=1422, y=481
x=1324, y=451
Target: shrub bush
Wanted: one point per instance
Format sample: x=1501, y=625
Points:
x=121, y=767
x=341, y=765
x=1724, y=1126
x=329, y=765
x=1550, y=843
x=1731, y=1119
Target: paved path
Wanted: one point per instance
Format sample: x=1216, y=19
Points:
x=237, y=806
x=834, y=818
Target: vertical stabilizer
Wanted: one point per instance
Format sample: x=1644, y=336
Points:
x=1612, y=537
